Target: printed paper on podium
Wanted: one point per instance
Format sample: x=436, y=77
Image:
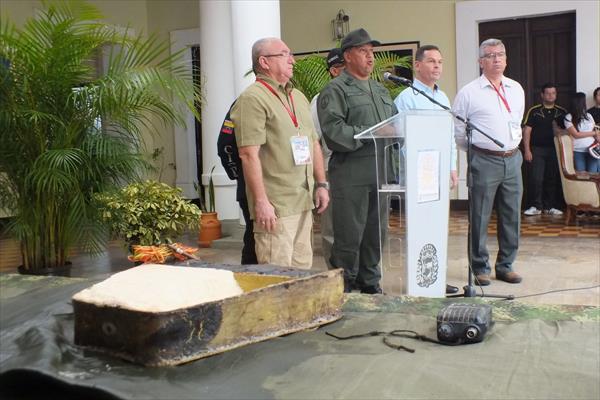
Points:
x=428, y=181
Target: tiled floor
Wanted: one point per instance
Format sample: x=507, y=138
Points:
x=534, y=226
x=552, y=257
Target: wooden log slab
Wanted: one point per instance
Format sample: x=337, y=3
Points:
x=275, y=302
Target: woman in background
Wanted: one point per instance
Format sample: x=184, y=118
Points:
x=594, y=111
x=580, y=125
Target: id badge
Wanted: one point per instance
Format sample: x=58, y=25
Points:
x=515, y=130
x=301, y=150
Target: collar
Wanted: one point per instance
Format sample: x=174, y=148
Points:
x=284, y=89
x=484, y=81
x=420, y=85
x=349, y=79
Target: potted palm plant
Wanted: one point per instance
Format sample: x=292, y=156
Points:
x=68, y=132
x=210, y=226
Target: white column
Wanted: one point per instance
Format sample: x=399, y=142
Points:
x=227, y=31
x=251, y=20
x=216, y=65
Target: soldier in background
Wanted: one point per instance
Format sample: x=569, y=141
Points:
x=335, y=66
x=230, y=159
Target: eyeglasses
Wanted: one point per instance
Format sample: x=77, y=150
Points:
x=284, y=54
x=499, y=54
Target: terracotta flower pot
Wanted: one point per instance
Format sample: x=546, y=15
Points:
x=210, y=229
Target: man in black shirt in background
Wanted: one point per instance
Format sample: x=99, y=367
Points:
x=543, y=189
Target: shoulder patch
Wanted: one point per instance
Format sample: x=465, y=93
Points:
x=323, y=100
x=227, y=127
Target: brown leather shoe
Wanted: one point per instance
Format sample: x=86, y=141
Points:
x=482, y=279
x=510, y=277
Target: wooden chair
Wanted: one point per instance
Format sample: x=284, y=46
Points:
x=581, y=189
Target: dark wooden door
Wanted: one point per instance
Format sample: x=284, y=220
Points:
x=539, y=50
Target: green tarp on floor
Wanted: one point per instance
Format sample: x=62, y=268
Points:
x=531, y=353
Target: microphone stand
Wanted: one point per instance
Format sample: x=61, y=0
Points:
x=469, y=289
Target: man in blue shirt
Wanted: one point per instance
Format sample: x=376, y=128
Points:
x=428, y=70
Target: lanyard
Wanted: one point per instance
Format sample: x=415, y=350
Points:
x=292, y=113
x=500, y=95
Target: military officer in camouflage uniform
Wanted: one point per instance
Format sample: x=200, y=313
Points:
x=348, y=105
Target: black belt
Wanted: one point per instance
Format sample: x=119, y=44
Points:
x=507, y=153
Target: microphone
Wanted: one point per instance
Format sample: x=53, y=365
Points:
x=397, y=79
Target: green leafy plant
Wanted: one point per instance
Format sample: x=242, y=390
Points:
x=205, y=206
x=147, y=213
x=311, y=75
x=67, y=132
x=386, y=62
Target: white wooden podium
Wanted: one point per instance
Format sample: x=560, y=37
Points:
x=413, y=178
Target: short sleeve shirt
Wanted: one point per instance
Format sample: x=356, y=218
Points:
x=595, y=113
x=585, y=125
x=261, y=119
x=540, y=119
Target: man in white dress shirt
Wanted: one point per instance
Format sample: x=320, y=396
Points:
x=494, y=104
x=428, y=70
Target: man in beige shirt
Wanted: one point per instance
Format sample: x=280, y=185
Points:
x=281, y=158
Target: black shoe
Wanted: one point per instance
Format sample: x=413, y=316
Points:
x=348, y=285
x=371, y=290
x=451, y=289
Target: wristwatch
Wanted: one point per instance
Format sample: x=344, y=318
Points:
x=323, y=185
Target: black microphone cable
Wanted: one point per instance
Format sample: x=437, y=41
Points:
x=551, y=291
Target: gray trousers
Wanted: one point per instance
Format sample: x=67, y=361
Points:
x=496, y=181
x=356, y=234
